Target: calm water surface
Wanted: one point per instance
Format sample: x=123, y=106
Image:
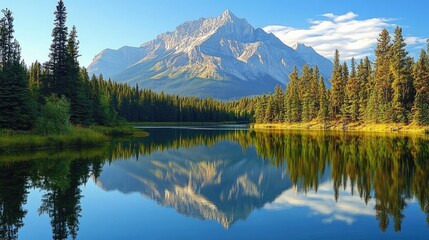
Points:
x=221, y=183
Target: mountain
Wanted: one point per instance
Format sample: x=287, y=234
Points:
x=222, y=57
x=222, y=182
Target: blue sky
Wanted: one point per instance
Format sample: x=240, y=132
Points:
x=112, y=24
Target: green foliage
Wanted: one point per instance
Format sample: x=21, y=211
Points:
x=260, y=109
x=396, y=91
x=278, y=105
x=15, y=101
x=77, y=85
x=76, y=137
x=421, y=84
x=345, y=107
x=382, y=80
x=57, y=65
x=403, y=90
x=353, y=88
x=365, y=79
x=55, y=117
x=338, y=87
x=293, y=101
x=323, y=114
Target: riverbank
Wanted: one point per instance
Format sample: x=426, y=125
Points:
x=356, y=127
x=78, y=137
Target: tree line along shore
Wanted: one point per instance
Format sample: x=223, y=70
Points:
x=59, y=98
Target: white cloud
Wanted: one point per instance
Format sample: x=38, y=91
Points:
x=352, y=37
x=323, y=204
x=415, y=40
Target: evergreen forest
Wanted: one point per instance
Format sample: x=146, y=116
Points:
x=393, y=88
x=33, y=96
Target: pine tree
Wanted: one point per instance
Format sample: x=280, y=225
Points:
x=337, y=89
x=77, y=85
x=278, y=104
x=15, y=101
x=270, y=110
x=6, y=37
x=58, y=56
x=293, y=104
x=97, y=111
x=314, y=93
x=421, y=83
x=382, y=80
x=352, y=91
x=306, y=93
x=364, y=75
x=345, y=108
x=35, y=75
x=323, y=113
x=402, y=81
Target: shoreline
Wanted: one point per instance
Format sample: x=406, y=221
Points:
x=11, y=141
x=351, y=127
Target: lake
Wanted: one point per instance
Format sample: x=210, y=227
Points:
x=221, y=182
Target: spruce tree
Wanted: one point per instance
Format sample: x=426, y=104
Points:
x=352, y=91
x=6, y=37
x=306, y=93
x=314, y=93
x=278, y=104
x=421, y=83
x=402, y=81
x=15, y=102
x=382, y=96
x=58, y=53
x=345, y=108
x=293, y=104
x=77, y=85
x=270, y=110
x=364, y=75
x=337, y=88
x=323, y=113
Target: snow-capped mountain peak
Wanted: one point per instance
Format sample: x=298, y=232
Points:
x=221, y=57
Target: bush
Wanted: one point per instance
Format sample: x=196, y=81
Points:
x=55, y=116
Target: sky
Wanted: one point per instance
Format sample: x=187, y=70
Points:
x=352, y=26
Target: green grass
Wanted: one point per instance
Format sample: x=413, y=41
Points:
x=78, y=137
x=114, y=131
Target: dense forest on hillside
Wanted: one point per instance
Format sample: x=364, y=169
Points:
x=60, y=91
x=392, y=89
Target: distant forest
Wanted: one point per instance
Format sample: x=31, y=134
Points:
x=392, y=89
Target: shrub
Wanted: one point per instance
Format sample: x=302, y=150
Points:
x=55, y=116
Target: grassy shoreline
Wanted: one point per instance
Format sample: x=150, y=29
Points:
x=78, y=137
x=351, y=127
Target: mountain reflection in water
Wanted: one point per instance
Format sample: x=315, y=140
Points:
x=224, y=175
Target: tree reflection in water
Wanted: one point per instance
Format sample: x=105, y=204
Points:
x=389, y=170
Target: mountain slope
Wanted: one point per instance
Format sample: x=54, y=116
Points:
x=222, y=57
x=202, y=182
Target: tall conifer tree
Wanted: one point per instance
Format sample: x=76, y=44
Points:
x=15, y=101
x=352, y=88
x=421, y=83
x=402, y=81
x=337, y=89
x=58, y=53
